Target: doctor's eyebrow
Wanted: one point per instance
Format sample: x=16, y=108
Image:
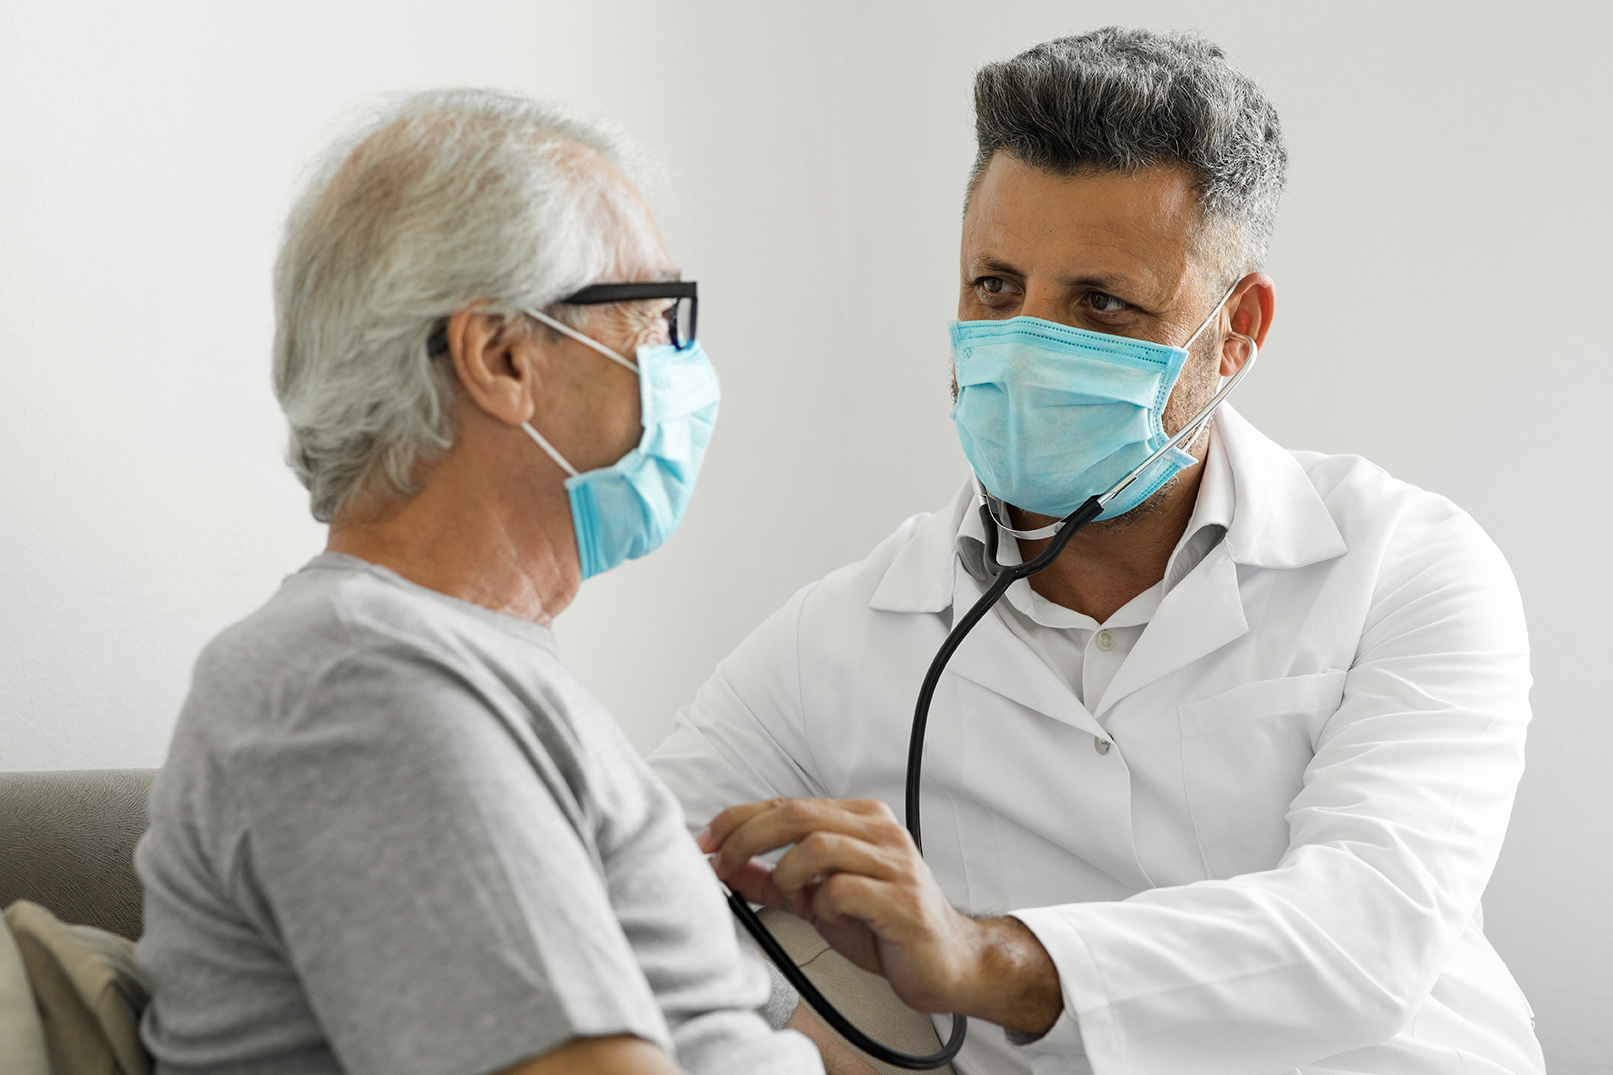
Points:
x=989, y=265
x=1119, y=286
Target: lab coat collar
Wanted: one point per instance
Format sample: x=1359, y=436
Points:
x=1279, y=521
x=920, y=577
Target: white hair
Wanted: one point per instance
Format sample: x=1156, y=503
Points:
x=447, y=198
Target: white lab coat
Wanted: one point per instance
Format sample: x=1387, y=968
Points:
x=1277, y=864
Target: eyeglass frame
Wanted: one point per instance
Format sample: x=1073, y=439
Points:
x=598, y=294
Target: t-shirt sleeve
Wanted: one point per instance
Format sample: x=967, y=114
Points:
x=428, y=872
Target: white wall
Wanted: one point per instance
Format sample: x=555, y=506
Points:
x=1443, y=296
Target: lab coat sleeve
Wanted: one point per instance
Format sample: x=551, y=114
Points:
x=743, y=738
x=1392, y=840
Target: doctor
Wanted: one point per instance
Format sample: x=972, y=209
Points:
x=1220, y=790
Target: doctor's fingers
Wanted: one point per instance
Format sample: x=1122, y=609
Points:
x=742, y=832
x=821, y=854
x=718, y=829
x=923, y=944
x=754, y=883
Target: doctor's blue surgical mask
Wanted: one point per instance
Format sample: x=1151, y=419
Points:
x=1050, y=415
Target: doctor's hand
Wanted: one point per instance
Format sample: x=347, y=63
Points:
x=854, y=873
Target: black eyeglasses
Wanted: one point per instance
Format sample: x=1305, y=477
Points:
x=680, y=317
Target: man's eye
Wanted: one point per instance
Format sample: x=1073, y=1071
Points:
x=1103, y=303
x=993, y=285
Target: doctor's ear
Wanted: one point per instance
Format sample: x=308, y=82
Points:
x=497, y=360
x=1249, y=313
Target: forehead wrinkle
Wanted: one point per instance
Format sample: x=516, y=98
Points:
x=1101, y=256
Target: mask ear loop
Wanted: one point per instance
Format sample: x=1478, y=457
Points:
x=587, y=341
x=1200, y=330
x=549, y=449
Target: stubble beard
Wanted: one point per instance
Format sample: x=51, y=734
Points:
x=1195, y=386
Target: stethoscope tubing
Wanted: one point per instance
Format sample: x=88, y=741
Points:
x=1006, y=577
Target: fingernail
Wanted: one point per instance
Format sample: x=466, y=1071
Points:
x=704, y=839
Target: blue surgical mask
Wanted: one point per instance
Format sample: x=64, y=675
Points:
x=625, y=510
x=1051, y=415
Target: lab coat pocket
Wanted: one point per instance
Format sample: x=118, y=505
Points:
x=1244, y=754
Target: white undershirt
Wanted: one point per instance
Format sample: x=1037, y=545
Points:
x=1087, y=654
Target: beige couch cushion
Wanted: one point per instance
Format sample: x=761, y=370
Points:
x=88, y=994
x=22, y=1038
x=866, y=999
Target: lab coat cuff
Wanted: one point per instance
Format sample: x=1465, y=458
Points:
x=1085, y=1038
x=1059, y=1051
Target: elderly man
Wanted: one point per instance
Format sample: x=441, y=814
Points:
x=393, y=834
x=1220, y=789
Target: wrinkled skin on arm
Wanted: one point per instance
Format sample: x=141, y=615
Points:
x=838, y=1057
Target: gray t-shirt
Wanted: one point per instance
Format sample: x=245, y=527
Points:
x=395, y=836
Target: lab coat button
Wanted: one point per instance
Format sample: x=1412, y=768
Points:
x=1101, y=745
x=1105, y=641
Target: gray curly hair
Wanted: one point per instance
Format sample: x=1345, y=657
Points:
x=1121, y=99
x=446, y=198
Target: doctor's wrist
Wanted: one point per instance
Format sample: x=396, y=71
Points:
x=1012, y=981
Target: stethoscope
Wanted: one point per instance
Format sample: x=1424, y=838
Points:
x=1004, y=576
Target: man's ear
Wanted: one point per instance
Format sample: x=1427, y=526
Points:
x=1254, y=300
x=497, y=364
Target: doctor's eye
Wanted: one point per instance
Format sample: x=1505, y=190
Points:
x=993, y=290
x=1105, y=303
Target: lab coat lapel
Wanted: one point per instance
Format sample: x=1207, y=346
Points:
x=1279, y=521
x=927, y=577
x=1061, y=782
x=995, y=659
x=1201, y=614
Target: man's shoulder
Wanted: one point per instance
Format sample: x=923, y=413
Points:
x=337, y=606
x=318, y=616
x=1295, y=507
x=345, y=660
x=1372, y=506
x=335, y=621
